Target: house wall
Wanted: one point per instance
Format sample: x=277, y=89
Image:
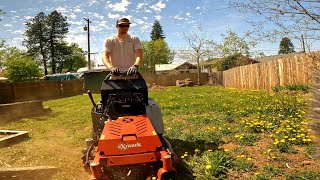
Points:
x=264, y=76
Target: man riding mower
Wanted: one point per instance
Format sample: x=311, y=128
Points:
x=128, y=141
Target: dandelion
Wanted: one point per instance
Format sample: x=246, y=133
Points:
x=182, y=157
x=249, y=159
x=269, y=150
x=209, y=150
x=242, y=155
x=196, y=150
x=208, y=166
x=226, y=150
x=282, y=140
x=257, y=173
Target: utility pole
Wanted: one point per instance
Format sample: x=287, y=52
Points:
x=88, y=30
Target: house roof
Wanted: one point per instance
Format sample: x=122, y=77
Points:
x=169, y=67
x=275, y=57
x=165, y=67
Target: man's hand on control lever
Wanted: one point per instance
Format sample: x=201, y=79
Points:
x=133, y=70
x=115, y=71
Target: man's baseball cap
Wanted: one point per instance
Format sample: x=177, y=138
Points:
x=123, y=21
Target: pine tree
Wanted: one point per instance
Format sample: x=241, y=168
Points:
x=36, y=38
x=286, y=46
x=58, y=28
x=157, y=32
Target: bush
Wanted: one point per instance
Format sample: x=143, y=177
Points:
x=22, y=69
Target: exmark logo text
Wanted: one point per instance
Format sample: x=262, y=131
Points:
x=124, y=146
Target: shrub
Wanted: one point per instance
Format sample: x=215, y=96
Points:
x=22, y=69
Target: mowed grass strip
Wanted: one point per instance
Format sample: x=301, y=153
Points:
x=216, y=132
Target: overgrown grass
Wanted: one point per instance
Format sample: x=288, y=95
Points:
x=217, y=133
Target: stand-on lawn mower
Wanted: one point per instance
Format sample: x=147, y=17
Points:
x=128, y=141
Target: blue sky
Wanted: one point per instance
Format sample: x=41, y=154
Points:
x=176, y=17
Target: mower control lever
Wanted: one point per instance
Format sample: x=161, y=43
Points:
x=91, y=98
x=123, y=74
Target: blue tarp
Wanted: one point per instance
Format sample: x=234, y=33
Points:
x=62, y=77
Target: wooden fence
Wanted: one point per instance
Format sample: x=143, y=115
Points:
x=170, y=80
x=15, y=92
x=264, y=76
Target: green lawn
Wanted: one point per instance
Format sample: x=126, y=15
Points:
x=216, y=132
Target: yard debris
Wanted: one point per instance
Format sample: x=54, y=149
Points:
x=155, y=87
x=183, y=83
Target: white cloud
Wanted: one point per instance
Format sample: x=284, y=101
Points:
x=140, y=5
x=76, y=22
x=120, y=7
x=61, y=9
x=72, y=16
x=27, y=17
x=18, y=32
x=93, y=2
x=97, y=15
x=145, y=18
x=17, y=39
x=113, y=16
x=79, y=39
x=158, y=17
x=13, y=11
x=178, y=17
x=139, y=21
x=188, y=14
x=78, y=9
x=198, y=7
x=8, y=25
x=158, y=6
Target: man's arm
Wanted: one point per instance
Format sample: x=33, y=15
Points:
x=106, y=59
x=139, y=59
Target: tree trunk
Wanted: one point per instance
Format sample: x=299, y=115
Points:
x=53, y=62
x=44, y=60
x=199, y=71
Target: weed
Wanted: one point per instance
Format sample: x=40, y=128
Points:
x=210, y=165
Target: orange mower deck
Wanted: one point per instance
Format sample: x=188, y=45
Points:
x=130, y=140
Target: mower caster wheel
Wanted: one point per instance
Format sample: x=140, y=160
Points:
x=168, y=176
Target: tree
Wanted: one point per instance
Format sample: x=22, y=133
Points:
x=20, y=67
x=201, y=48
x=2, y=12
x=286, y=46
x=70, y=57
x=233, y=44
x=36, y=38
x=44, y=37
x=232, y=61
x=58, y=28
x=155, y=52
x=157, y=32
x=288, y=17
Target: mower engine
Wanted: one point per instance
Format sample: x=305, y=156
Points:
x=127, y=141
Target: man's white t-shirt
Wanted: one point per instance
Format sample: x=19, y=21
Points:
x=122, y=52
